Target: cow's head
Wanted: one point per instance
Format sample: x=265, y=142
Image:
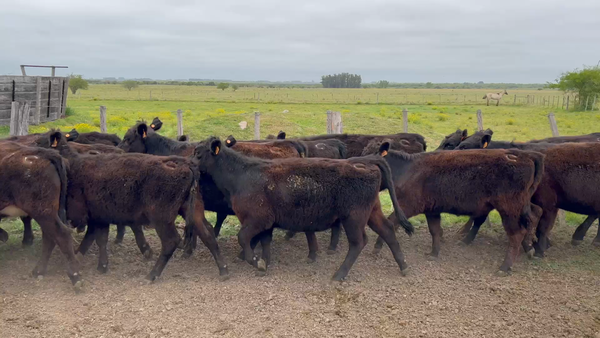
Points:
x=479, y=140
x=183, y=138
x=452, y=141
x=375, y=145
x=72, y=135
x=134, y=140
x=384, y=148
x=206, y=153
x=230, y=141
x=505, y=92
x=54, y=139
x=156, y=124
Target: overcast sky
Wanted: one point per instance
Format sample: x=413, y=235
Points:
x=402, y=41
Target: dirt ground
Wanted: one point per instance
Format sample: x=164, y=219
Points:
x=455, y=296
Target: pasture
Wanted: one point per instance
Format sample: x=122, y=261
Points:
x=456, y=295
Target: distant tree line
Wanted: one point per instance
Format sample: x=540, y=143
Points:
x=343, y=80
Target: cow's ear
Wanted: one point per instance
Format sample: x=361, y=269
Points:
x=182, y=138
x=281, y=135
x=488, y=131
x=142, y=130
x=384, y=148
x=55, y=138
x=215, y=147
x=485, y=140
x=464, y=135
x=230, y=141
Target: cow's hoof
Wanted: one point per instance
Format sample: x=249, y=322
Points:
x=502, y=273
x=186, y=255
x=102, y=268
x=80, y=230
x=224, y=277
x=310, y=260
x=260, y=273
x=531, y=254
x=331, y=251
x=376, y=251
x=406, y=271
x=576, y=242
x=148, y=254
x=539, y=255
x=25, y=243
x=432, y=257
x=78, y=286
x=261, y=265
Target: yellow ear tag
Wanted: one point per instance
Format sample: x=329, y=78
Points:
x=54, y=144
x=152, y=126
x=485, y=145
x=383, y=153
x=67, y=135
x=144, y=136
x=217, y=151
x=228, y=141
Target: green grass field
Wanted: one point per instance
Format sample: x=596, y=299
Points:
x=209, y=111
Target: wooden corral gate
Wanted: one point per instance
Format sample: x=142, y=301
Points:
x=46, y=95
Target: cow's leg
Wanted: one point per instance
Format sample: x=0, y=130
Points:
x=169, y=239
x=596, y=240
x=435, y=229
x=335, y=238
x=355, y=231
x=313, y=246
x=141, y=242
x=515, y=233
x=247, y=233
x=120, y=234
x=253, y=243
x=265, y=242
x=102, y=242
x=207, y=236
x=81, y=228
x=87, y=241
x=466, y=228
x=47, y=247
x=289, y=235
x=27, y=231
x=579, y=234
x=64, y=241
x=497, y=103
x=3, y=235
x=385, y=229
x=221, y=216
x=543, y=231
x=477, y=222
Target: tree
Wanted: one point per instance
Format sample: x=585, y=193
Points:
x=383, y=84
x=77, y=82
x=130, y=84
x=586, y=83
x=343, y=80
x=223, y=85
x=428, y=85
x=234, y=87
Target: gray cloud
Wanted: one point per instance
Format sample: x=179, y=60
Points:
x=416, y=41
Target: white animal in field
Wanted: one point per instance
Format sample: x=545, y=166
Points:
x=494, y=96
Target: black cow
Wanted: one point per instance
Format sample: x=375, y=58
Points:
x=269, y=149
x=469, y=183
x=302, y=195
x=452, y=141
x=568, y=183
x=33, y=183
x=121, y=189
x=593, y=137
x=356, y=143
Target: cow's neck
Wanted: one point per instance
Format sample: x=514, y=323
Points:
x=163, y=146
x=233, y=169
x=399, y=162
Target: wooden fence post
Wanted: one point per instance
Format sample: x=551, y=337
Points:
x=336, y=122
x=257, y=125
x=38, y=101
x=515, y=100
x=479, y=120
x=179, y=122
x=19, y=118
x=377, y=98
x=103, y=119
x=594, y=103
x=405, y=120
x=329, y=122
x=567, y=102
x=587, y=99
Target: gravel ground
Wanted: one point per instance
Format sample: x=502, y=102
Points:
x=457, y=295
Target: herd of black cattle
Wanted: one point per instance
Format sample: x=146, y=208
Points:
x=305, y=184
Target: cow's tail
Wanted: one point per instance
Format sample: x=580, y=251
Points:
x=529, y=216
x=342, y=149
x=301, y=148
x=190, y=221
x=386, y=174
x=61, y=166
